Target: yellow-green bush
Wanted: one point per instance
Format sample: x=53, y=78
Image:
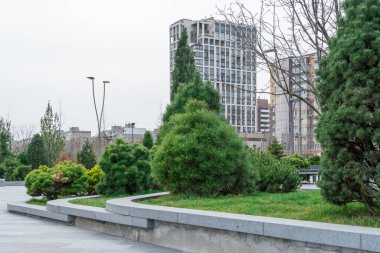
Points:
x=93, y=175
x=64, y=179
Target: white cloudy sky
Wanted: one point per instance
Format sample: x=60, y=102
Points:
x=48, y=47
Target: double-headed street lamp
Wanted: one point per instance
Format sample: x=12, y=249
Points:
x=98, y=119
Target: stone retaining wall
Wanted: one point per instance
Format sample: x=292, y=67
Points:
x=204, y=231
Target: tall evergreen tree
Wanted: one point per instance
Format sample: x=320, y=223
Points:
x=276, y=149
x=36, y=153
x=184, y=64
x=148, y=140
x=5, y=139
x=87, y=156
x=194, y=90
x=349, y=128
x=51, y=134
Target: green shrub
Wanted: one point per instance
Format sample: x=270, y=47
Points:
x=298, y=161
x=201, y=154
x=314, y=160
x=64, y=179
x=148, y=140
x=19, y=173
x=9, y=164
x=93, y=175
x=13, y=170
x=276, y=175
x=39, y=182
x=126, y=169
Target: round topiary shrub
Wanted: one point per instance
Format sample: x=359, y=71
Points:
x=39, y=182
x=126, y=169
x=64, y=179
x=276, y=175
x=201, y=154
x=93, y=175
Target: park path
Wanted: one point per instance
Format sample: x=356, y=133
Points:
x=21, y=234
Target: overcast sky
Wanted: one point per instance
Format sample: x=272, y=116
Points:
x=48, y=47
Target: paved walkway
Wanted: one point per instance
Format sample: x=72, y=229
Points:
x=21, y=234
x=309, y=187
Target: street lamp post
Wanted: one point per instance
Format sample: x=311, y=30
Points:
x=133, y=126
x=98, y=119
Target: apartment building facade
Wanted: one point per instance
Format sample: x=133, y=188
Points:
x=263, y=115
x=292, y=121
x=221, y=58
x=128, y=133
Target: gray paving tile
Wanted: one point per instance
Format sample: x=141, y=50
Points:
x=20, y=234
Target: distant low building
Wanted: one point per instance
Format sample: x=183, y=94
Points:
x=74, y=140
x=75, y=133
x=128, y=133
x=256, y=140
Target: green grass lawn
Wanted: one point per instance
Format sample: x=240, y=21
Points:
x=97, y=202
x=299, y=205
x=39, y=202
x=101, y=201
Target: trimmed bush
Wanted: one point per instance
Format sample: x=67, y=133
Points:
x=201, y=154
x=93, y=175
x=126, y=169
x=64, y=179
x=298, y=161
x=276, y=175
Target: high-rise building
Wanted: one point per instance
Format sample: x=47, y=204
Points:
x=293, y=121
x=221, y=58
x=262, y=115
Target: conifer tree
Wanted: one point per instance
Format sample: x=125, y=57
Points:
x=87, y=156
x=51, y=134
x=184, y=67
x=276, y=149
x=5, y=139
x=195, y=89
x=349, y=128
x=148, y=140
x=36, y=153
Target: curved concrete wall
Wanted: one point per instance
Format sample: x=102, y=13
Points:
x=205, y=231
